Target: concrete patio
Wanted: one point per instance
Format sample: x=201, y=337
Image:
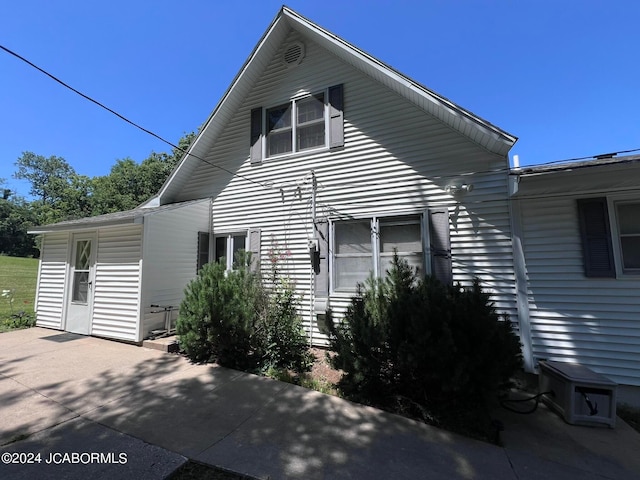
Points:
x=61, y=392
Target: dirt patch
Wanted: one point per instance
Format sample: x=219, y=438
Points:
x=322, y=370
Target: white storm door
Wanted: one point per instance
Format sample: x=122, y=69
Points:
x=80, y=293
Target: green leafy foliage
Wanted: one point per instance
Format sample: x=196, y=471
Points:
x=61, y=194
x=21, y=319
x=286, y=346
x=15, y=219
x=421, y=344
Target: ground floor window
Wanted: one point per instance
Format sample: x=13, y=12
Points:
x=226, y=248
x=628, y=218
x=366, y=246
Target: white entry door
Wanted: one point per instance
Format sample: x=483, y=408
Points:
x=80, y=296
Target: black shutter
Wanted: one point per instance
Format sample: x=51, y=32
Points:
x=321, y=231
x=440, y=245
x=203, y=250
x=256, y=136
x=336, y=117
x=597, y=249
x=254, y=248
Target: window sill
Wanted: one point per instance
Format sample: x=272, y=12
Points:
x=343, y=294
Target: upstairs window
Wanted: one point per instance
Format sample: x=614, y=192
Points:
x=303, y=120
x=308, y=123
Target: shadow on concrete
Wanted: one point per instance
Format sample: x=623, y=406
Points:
x=227, y=418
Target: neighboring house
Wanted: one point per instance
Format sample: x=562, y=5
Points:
x=316, y=151
x=577, y=243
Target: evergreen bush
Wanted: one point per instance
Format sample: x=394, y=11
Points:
x=420, y=343
x=231, y=318
x=220, y=316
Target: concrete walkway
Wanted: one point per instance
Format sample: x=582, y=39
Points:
x=64, y=393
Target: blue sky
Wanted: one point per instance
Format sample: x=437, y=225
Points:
x=561, y=75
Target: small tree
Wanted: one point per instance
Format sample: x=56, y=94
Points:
x=232, y=319
x=220, y=315
x=422, y=342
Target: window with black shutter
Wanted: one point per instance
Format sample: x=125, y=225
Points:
x=595, y=232
x=303, y=124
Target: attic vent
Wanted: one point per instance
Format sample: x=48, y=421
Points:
x=293, y=55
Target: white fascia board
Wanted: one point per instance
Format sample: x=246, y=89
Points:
x=222, y=105
x=487, y=128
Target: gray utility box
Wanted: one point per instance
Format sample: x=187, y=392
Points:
x=580, y=395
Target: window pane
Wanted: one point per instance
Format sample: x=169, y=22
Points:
x=238, y=244
x=353, y=237
x=311, y=137
x=629, y=218
x=310, y=109
x=404, y=238
x=630, y=252
x=80, y=287
x=83, y=254
x=221, y=248
x=350, y=271
x=279, y=117
x=415, y=261
x=279, y=143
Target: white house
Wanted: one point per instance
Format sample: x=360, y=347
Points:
x=315, y=147
x=577, y=243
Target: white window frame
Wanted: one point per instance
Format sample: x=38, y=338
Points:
x=420, y=218
x=229, y=246
x=294, y=126
x=613, y=203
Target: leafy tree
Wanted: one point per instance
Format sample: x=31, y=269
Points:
x=49, y=177
x=15, y=219
x=129, y=184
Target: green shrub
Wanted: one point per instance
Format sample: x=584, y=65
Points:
x=21, y=319
x=232, y=319
x=219, y=317
x=417, y=342
x=286, y=345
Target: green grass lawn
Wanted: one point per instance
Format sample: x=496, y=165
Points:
x=20, y=275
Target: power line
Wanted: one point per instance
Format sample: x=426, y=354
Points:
x=122, y=117
x=149, y=132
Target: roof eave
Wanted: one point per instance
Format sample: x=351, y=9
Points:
x=492, y=139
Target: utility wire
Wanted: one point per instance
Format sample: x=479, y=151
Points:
x=155, y=135
x=605, y=155
x=122, y=117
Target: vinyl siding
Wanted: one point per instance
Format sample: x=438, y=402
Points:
x=170, y=257
x=52, y=280
x=574, y=318
x=117, y=283
x=396, y=158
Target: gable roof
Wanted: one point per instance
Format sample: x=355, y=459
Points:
x=475, y=128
